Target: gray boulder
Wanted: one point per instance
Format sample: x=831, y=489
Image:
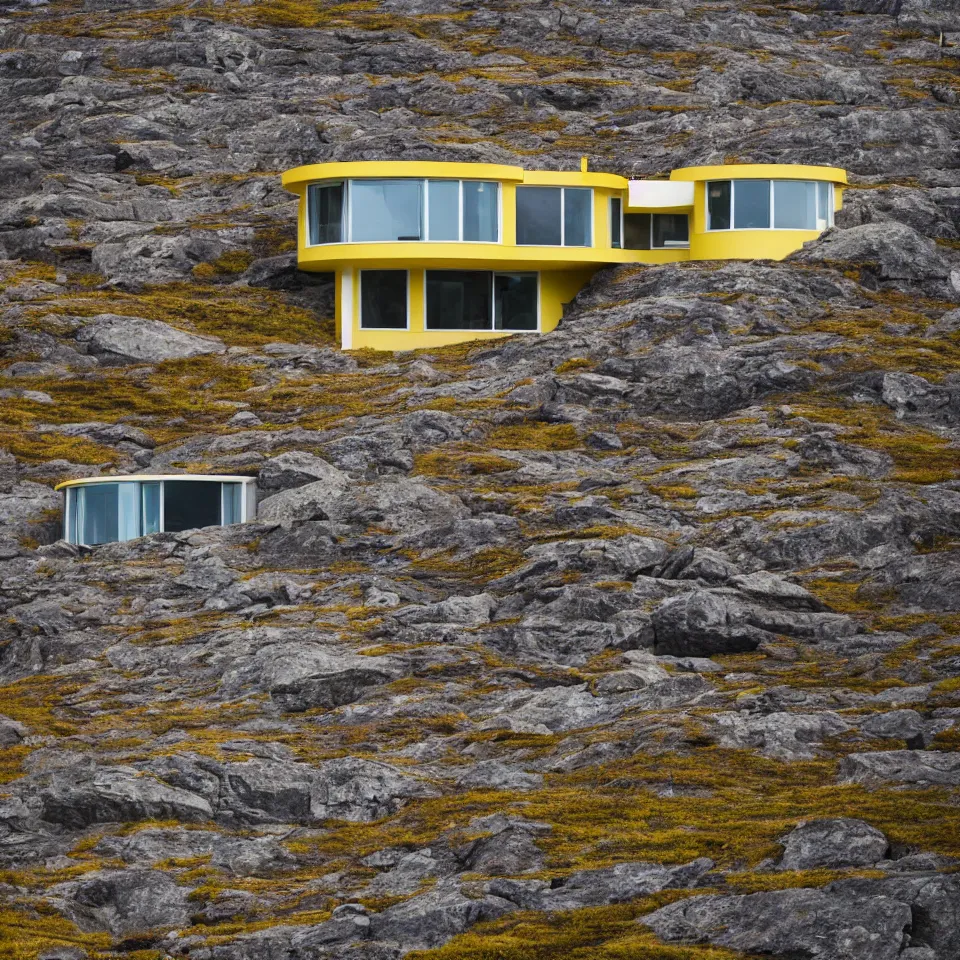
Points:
x=123, y=902
x=783, y=735
x=797, y=923
x=78, y=796
x=896, y=725
x=842, y=842
x=509, y=847
x=359, y=790
x=892, y=250
x=119, y=339
x=11, y=732
x=902, y=766
x=431, y=919
x=590, y=888
x=312, y=501
x=296, y=469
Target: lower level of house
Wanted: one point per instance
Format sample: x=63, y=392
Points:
x=399, y=309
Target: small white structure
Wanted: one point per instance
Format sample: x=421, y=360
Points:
x=674, y=195
x=110, y=509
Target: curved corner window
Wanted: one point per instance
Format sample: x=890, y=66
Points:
x=109, y=512
x=325, y=212
x=555, y=216
x=404, y=209
x=769, y=204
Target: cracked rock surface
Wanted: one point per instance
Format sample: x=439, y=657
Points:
x=638, y=639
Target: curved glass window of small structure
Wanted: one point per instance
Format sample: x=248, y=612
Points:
x=110, y=512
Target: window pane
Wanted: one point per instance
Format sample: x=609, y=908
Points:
x=538, y=216
x=231, y=502
x=515, y=301
x=188, y=504
x=718, y=205
x=636, y=231
x=824, y=205
x=69, y=515
x=577, y=217
x=670, y=230
x=480, y=211
x=325, y=210
x=794, y=205
x=383, y=299
x=150, y=504
x=97, y=513
x=615, y=214
x=458, y=300
x=385, y=210
x=751, y=204
x=444, y=205
x=128, y=510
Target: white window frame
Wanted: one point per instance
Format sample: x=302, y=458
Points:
x=771, y=182
x=360, y=274
x=563, y=216
x=346, y=226
x=670, y=246
x=493, y=301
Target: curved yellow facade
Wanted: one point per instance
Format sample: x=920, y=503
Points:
x=614, y=221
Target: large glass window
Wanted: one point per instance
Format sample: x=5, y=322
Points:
x=481, y=211
x=539, y=216
x=188, y=504
x=765, y=204
x=636, y=231
x=481, y=300
x=554, y=216
x=371, y=211
x=383, y=299
x=458, y=300
x=577, y=217
x=824, y=205
x=718, y=205
x=751, y=205
x=97, y=513
x=794, y=205
x=386, y=210
x=670, y=230
x=325, y=212
x=443, y=224
x=150, y=505
x=232, y=510
x=515, y=301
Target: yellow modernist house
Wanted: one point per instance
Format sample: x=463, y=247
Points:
x=427, y=254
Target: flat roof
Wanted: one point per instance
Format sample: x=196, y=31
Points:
x=295, y=179
x=153, y=477
x=761, y=171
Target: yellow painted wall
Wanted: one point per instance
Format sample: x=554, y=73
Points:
x=557, y=287
x=739, y=244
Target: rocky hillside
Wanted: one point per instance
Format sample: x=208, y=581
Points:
x=637, y=641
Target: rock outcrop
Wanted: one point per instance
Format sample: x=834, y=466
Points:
x=640, y=636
